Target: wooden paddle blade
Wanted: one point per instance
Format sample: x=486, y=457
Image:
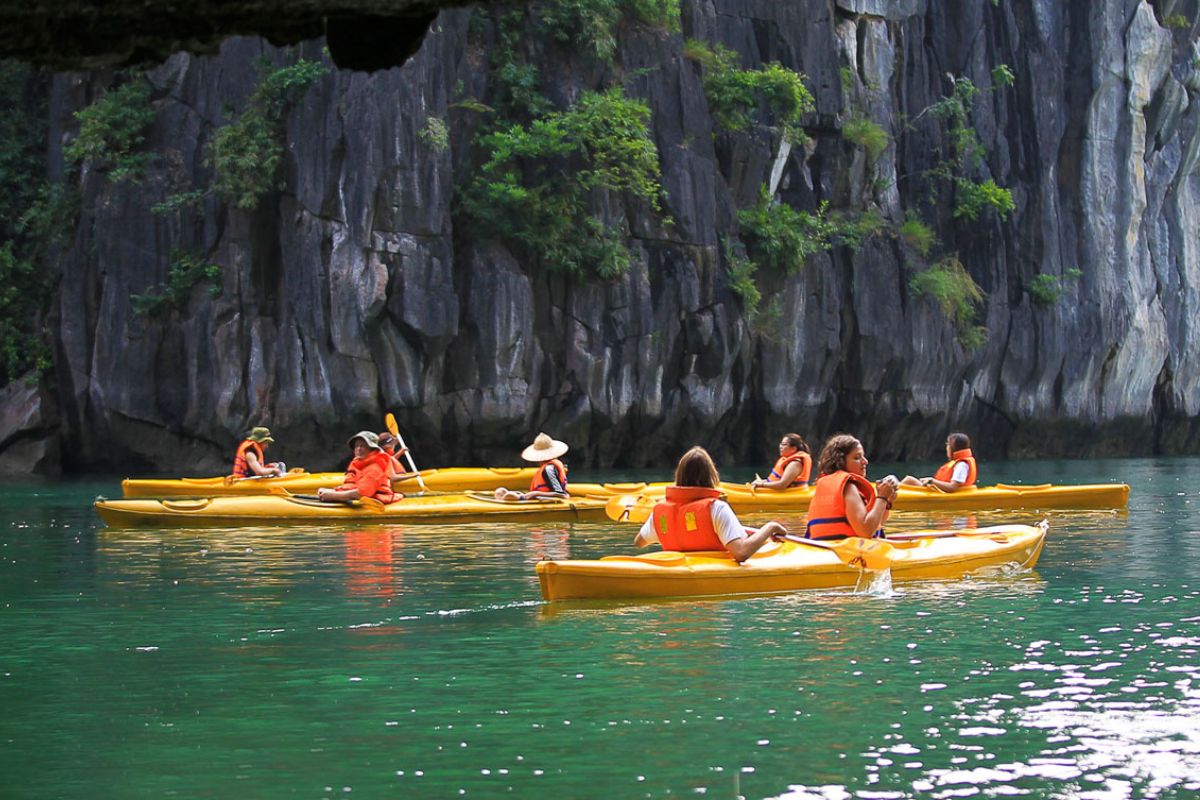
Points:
x=634, y=508
x=390, y=421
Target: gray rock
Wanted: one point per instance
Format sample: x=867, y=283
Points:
x=350, y=292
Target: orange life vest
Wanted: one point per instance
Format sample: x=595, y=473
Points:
x=540, y=484
x=371, y=476
x=683, y=520
x=946, y=471
x=396, y=466
x=827, y=511
x=241, y=469
x=805, y=468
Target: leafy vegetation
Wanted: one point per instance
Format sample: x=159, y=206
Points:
x=959, y=297
x=436, y=134
x=781, y=238
x=112, y=129
x=867, y=135
x=917, y=235
x=661, y=14
x=246, y=154
x=186, y=271
x=533, y=190
x=853, y=229
x=735, y=95
x=741, y=280
x=966, y=156
x=974, y=196
x=35, y=218
x=1046, y=290
x=179, y=201
x=1177, y=21
x=590, y=24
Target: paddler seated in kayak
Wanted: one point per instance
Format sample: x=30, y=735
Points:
x=388, y=443
x=368, y=475
x=793, y=467
x=693, y=517
x=845, y=503
x=248, y=462
x=551, y=478
x=959, y=472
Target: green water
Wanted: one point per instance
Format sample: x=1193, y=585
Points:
x=408, y=661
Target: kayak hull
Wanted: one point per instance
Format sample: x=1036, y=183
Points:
x=276, y=510
x=790, y=566
x=448, y=479
x=1001, y=497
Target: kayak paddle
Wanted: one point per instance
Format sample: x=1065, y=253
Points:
x=630, y=508
x=394, y=430
x=855, y=551
x=369, y=503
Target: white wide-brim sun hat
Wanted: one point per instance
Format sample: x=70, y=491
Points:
x=544, y=448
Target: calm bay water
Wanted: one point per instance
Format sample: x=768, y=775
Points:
x=419, y=661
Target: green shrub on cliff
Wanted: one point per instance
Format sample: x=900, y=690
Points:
x=590, y=24
x=36, y=217
x=186, y=271
x=741, y=279
x=534, y=187
x=112, y=129
x=971, y=196
x=917, y=235
x=974, y=196
x=867, y=135
x=246, y=154
x=1047, y=290
x=735, y=94
x=780, y=237
x=959, y=297
x=662, y=14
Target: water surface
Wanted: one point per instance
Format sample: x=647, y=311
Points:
x=419, y=661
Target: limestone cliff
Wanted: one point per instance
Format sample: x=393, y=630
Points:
x=350, y=292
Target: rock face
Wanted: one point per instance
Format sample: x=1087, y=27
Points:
x=349, y=292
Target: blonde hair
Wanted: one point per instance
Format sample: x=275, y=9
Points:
x=696, y=468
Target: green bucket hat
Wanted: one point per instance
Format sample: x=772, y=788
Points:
x=260, y=435
x=370, y=438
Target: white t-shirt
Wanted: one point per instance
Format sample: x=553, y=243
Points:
x=961, y=470
x=725, y=523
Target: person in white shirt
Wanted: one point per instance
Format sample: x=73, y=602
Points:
x=957, y=473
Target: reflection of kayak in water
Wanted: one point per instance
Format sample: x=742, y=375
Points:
x=920, y=498
x=795, y=564
x=282, y=510
x=448, y=479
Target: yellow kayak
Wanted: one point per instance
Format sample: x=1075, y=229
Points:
x=449, y=479
x=918, y=498
x=302, y=510
x=796, y=564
